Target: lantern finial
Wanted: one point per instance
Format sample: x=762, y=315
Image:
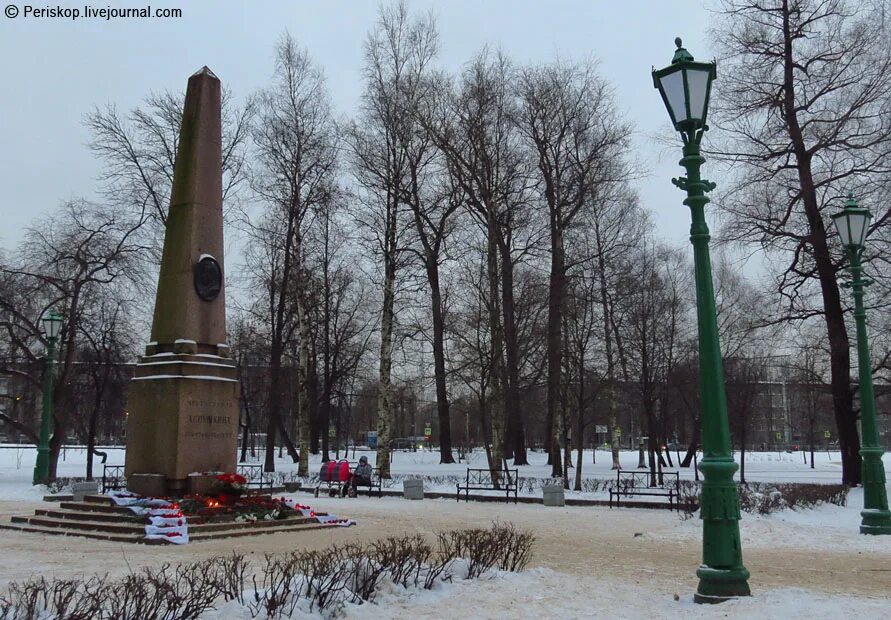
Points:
x=681, y=54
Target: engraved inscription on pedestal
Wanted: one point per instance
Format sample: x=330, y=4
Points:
x=211, y=420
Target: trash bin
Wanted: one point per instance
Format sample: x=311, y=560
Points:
x=413, y=489
x=552, y=495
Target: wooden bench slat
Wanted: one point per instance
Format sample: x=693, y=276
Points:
x=626, y=486
x=482, y=480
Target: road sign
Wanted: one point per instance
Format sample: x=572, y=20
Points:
x=827, y=434
x=600, y=428
x=332, y=432
x=779, y=436
x=428, y=431
x=618, y=431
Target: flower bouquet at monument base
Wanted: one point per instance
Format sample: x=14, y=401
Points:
x=229, y=487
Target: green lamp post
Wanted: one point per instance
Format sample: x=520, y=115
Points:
x=852, y=223
x=685, y=87
x=52, y=324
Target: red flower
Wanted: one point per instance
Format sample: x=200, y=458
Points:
x=232, y=479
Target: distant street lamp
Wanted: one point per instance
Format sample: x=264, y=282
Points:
x=852, y=223
x=52, y=324
x=685, y=87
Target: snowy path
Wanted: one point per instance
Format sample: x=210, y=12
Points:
x=588, y=562
x=821, y=551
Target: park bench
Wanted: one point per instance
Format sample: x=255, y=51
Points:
x=374, y=483
x=505, y=481
x=631, y=483
x=334, y=485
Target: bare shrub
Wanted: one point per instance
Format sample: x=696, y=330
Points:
x=324, y=579
x=514, y=547
x=477, y=546
x=228, y=573
x=28, y=599
x=402, y=558
x=766, y=498
x=193, y=589
x=437, y=569
x=279, y=590
x=77, y=600
x=365, y=572
x=132, y=597
x=688, y=498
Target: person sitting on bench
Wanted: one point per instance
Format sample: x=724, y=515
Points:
x=362, y=475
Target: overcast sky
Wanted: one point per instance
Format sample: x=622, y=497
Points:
x=56, y=70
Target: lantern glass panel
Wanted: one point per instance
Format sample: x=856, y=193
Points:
x=858, y=222
x=697, y=82
x=673, y=87
x=842, y=224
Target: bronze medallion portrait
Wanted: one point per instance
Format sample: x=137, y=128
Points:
x=208, y=278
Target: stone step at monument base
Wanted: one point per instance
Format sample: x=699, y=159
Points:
x=98, y=518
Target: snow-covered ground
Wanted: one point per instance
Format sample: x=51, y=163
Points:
x=588, y=562
x=17, y=462
x=544, y=593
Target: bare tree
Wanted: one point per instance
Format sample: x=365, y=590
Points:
x=433, y=200
x=250, y=351
x=342, y=329
x=802, y=107
x=139, y=149
x=808, y=368
x=64, y=262
x=656, y=314
x=474, y=125
x=570, y=120
x=582, y=324
x=743, y=376
x=383, y=145
x=472, y=362
x=296, y=154
x=108, y=344
x=612, y=226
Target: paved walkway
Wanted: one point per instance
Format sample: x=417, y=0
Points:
x=634, y=544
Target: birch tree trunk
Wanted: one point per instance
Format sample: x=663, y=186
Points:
x=385, y=396
x=498, y=379
x=303, y=410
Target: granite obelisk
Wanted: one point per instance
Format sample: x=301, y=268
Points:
x=183, y=399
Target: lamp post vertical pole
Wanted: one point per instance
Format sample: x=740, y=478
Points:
x=722, y=574
x=876, y=518
x=41, y=468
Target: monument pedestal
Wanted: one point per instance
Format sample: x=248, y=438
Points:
x=183, y=417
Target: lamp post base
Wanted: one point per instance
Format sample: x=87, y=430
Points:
x=875, y=513
x=717, y=586
x=875, y=522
